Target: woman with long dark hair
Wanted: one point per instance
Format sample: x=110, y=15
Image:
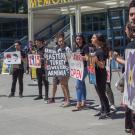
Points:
x=83, y=49
x=101, y=54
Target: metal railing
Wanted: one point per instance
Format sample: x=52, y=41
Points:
x=52, y=28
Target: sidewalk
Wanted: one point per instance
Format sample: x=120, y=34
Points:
x=24, y=116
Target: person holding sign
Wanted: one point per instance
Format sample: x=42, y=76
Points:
x=64, y=79
x=101, y=54
x=130, y=31
x=82, y=49
x=41, y=75
x=18, y=71
x=129, y=115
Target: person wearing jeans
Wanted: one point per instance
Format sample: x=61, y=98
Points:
x=83, y=49
x=81, y=88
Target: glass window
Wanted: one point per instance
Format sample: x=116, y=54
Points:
x=88, y=18
x=117, y=42
x=95, y=26
x=103, y=25
x=96, y=17
x=116, y=23
x=116, y=13
x=13, y=6
x=89, y=27
x=118, y=33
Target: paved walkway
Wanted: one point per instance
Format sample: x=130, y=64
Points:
x=24, y=116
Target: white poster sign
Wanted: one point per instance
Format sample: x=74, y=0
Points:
x=129, y=85
x=34, y=60
x=76, y=66
x=12, y=57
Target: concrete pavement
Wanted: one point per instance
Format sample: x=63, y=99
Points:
x=25, y=116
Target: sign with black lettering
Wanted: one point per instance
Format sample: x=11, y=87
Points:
x=57, y=64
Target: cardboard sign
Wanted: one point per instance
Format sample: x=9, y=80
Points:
x=56, y=64
x=129, y=85
x=6, y=69
x=76, y=66
x=33, y=73
x=91, y=71
x=34, y=60
x=12, y=57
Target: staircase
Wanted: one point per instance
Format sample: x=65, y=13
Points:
x=52, y=41
x=48, y=33
x=53, y=28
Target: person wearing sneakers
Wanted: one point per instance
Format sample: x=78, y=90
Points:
x=18, y=71
x=83, y=49
x=109, y=91
x=41, y=74
x=101, y=54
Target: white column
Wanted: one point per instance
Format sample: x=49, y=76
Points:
x=71, y=31
x=30, y=23
x=78, y=19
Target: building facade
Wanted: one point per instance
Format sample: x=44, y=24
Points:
x=85, y=16
x=13, y=22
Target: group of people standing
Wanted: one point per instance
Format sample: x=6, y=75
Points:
x=101, y=54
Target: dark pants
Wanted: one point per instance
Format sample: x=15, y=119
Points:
x=128, y=119
x=17, y=74
x=42, y=78
x=101, y=89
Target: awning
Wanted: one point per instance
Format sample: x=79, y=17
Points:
x=70, y=6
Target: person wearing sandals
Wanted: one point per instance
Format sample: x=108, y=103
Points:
x=56, y=79
x=101, y=54
x=63, y=80
x=83, y=49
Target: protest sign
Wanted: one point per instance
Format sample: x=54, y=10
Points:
x=56, y=64
x=6, y=69
x=33, y=73
x=129, y=85
x=91, y=70
x=34, y=60
x=12, y=57
x=76, y=66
